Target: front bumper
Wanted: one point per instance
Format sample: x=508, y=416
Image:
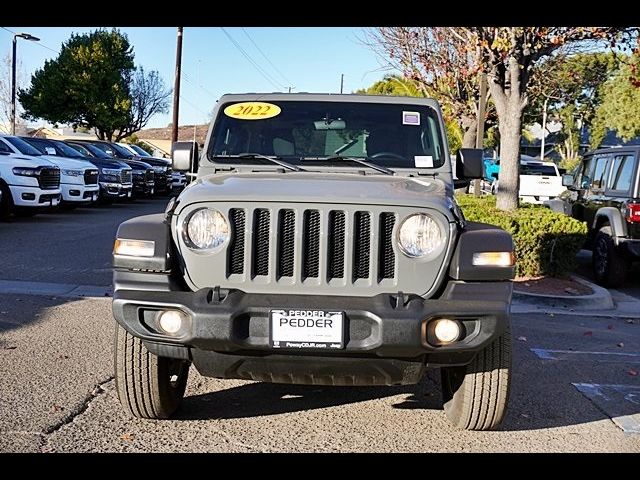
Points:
x=144, y=188
x=385, y=336
x=34, y=197
x=115, y=190
x=79, y=193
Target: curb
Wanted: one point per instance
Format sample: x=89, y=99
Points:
x=600, y=299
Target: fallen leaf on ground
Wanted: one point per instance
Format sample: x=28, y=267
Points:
x=522, y=339
x=63, y=357
x=56, y=408
x=609, y=327
x=632, y=372
x=127, y=437
x=628, y=320
x=527, y=284
x=588, y=333
x=621, y=345
x=551, y=315
x=572, y=291
x=524, y=415
x=9, y=347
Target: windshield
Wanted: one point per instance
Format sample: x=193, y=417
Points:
x=95, y=151
x=66, y=150
x=537, y=169
x=391, y=135
x=22, y=146
x=119, y=151
x=140, y=151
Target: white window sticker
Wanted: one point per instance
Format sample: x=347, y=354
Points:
x=423, y=161
x=411, y=118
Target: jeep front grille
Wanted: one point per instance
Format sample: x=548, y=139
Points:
x=301, y=251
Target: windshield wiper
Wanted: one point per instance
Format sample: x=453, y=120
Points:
x=272, y=158
x=361, y=161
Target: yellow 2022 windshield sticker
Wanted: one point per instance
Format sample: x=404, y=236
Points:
x=252, y=110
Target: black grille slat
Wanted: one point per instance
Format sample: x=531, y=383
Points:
x=149, y=175
x=91, y=177
x=236, y=249
x=336, y=244
x=286, y=242
x=386, y=255
x=125, y=176
x=261, y=220
x=361, y=245
x=49, y=178
x=311, y=244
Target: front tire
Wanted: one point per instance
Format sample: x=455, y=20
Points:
x=148, y=386
x=476, y=395
x=609, y=266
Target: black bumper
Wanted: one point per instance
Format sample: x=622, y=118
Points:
x=115, y=190
x=385, y=336
x=143, y=188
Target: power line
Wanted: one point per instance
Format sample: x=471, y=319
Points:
x=266, y=58
x=37, y=43
x=186, y=77
x=194, y=106
x=268, y=77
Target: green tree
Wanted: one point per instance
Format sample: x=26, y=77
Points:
x=94, y=83
x=620, y=107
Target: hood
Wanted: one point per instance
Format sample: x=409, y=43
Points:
x=135, y=164
x=156, y=162
x=20, y=160
x=69, y=163
x=105, y=163
x=308, y=187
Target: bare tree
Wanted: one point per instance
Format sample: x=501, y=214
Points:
x=149, y=96
x=5, y=94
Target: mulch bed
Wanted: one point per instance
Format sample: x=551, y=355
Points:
x=551, y=286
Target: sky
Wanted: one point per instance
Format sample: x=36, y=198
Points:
x=214, y=60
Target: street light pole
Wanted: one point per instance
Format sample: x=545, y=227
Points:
x=26, y=36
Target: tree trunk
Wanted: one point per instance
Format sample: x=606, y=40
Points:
x=469, y=127
x=510, y=132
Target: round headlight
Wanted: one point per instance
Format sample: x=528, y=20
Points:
x=205, y=229
x=420, y=236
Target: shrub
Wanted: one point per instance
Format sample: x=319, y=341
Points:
x=546, y=242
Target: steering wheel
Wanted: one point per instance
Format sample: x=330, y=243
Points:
x=388, y=154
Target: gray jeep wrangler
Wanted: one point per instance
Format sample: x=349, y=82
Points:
x=319, y=244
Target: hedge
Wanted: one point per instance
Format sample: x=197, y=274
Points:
x=546, y=242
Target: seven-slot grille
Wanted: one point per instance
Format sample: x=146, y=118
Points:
x=91, y=177
x=49, y=178
x=125, y=176
x=295, y=238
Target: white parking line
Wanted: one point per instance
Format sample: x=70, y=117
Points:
x=604, y=357
x=621, y=403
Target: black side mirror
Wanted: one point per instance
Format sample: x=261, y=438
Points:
x=469, y=164
x=567, y=180
x=184, y=156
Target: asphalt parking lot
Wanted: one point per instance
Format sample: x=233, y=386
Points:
x=576, y=385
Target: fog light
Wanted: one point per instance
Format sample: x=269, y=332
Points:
x=446, y=331
x=134, y=248
x=494, y=259
x=171, y=321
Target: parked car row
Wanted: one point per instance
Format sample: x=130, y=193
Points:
x=39, y=173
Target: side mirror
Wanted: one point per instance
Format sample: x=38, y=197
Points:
x=469, y=163
x=460, y=184
x=567, y=180
x=184, y=156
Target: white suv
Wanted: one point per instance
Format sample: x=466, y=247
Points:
x=78, y=178
x=26, y=183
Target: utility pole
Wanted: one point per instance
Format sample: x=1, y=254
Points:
x=176, y=88
x=482, y=104
x=341, y=81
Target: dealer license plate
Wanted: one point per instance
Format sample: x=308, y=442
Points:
x=301, y=329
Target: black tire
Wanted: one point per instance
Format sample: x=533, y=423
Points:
x=6, y=203
x=609, y=267
x=148, y=386
x=475, y=396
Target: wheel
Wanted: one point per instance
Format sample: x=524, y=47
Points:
x=148, y=386
x=6, y=203
x=609, y=266
x=476, y=395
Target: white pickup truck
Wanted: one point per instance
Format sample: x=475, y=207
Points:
x=27, y=183
x=78, y=178
x=539, y=181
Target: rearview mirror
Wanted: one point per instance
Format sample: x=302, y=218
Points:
x=330, y=125
x=567, y=180
x=469, y=164
x=184, y=156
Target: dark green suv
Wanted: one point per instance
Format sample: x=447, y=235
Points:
x=603, y=192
